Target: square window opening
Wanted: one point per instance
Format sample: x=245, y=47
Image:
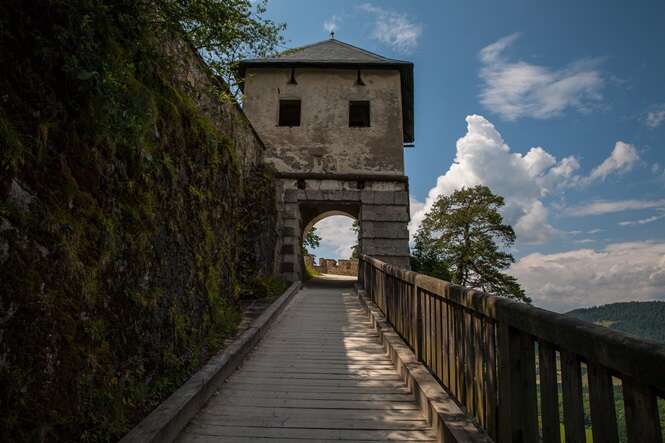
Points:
x=289, y=113
x=359, y=114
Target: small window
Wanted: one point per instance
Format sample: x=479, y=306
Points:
x=358, y=114
x=289, y=113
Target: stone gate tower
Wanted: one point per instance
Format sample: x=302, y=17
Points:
x=335, y=120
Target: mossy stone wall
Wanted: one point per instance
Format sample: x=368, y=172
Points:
x=135, y=213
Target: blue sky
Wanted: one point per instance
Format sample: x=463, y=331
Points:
x=559, y=107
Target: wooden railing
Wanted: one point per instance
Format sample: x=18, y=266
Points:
x=522, y=372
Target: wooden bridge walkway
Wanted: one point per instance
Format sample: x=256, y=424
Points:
x=319, y=374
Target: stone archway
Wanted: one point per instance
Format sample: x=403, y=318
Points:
x=350, y=214
x=313, y=212
x=381, y=205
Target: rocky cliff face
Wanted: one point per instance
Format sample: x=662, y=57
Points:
x=134, y=214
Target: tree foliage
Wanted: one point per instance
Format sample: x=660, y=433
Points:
x=312, y=240
x=463, y=238
x=643, y=319
x=224, y=32
x=355, y=249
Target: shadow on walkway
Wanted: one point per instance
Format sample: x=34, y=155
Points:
x=331, y=281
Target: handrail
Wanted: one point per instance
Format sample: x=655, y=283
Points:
x=503, y=360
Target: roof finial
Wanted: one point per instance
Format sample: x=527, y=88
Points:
x=332, y=35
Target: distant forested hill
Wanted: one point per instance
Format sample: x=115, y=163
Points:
x=644, y=319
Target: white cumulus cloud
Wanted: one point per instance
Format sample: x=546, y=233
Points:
x=337, y=236
x=524, y=180
x=516, y=89
x=586, y=277
x=483, y=158
x=623, y=158
x=394, y=29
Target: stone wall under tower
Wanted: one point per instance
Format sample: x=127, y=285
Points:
x=381, y=204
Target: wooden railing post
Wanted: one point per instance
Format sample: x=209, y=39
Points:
x=573, y=405
x=549, y=393
x=642, y=421
x=505, y=430
x=417, y=323
x=601, y=400
x=518, y=401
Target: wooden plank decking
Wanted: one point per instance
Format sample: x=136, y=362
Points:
x=319, y=375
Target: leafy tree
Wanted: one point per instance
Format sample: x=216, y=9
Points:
x=461, y=238
x=224, y=32
x=311, y=240
x=427, y=261
x=355, y=249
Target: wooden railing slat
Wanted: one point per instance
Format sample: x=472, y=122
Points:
x=479, y=375
x=642, y=422
x=428, y=333
x=469, y=363
x=445, y=330
x=462, y=354
x=505, y=428
x=452, y=327
x=601, y=402
x=459, y=354
x=437, y=323
x=573, y=407
x=549, y=393
x=523, y=397
x=489, y=343
x=419, y=323
x=529, y=386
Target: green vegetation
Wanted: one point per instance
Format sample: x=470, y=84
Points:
x=267, y=287
x=224, y=32
x=127, y=228
x=310, y=272
x=460, y=240
x=355, y=249
x=642, y=319
x=312, y=240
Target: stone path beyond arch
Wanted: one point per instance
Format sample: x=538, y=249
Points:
x=319, y=374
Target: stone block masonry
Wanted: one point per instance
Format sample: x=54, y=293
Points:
x=381, y=207
x=335, y=267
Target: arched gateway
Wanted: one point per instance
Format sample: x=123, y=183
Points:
x=335, y=119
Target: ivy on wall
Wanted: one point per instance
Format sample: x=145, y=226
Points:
x=124, y=236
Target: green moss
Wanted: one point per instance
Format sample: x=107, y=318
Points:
x=142, y=236
x=10, y=140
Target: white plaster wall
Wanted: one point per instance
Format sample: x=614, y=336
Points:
x=324, y=142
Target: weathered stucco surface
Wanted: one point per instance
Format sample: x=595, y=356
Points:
x=324, y=142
